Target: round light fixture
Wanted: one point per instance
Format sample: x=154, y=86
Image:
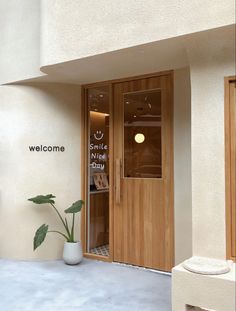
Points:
x=139, y=138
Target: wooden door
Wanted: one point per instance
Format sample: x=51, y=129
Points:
x=143, y=172
x=230, y=135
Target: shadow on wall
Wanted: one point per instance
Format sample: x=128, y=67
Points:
x=182, y=165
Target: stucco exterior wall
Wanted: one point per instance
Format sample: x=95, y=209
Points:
x=182, y=165
x=92, y=27
x=36, y=34
x=47, y=114
x=210, y=292
x=20, y=39
x=211, y=59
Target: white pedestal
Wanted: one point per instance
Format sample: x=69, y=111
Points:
x=213, y=292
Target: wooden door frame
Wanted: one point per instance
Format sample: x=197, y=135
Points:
x=228, y=194
x=84, y=162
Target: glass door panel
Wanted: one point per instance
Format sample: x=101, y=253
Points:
x=142, y=134
x=98, y=171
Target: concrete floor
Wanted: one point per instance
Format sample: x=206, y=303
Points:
x=90, y=286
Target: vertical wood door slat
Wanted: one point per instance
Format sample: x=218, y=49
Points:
x=230, y=167
x=233, y=165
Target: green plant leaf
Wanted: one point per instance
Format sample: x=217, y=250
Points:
x=41, y=199
x=40, y=235
x=75, y=207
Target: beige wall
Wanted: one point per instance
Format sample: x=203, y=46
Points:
x=35, y=34
x=93, y=27
x=30, y=115
x=182, y=165
x=210, y=292
x=212, y=57
x=20, y=38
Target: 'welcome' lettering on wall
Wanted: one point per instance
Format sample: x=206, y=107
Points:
x=40, y=148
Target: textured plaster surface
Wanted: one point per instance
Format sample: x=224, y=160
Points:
x=211, y=292
x=211, y=57
x=35, y=34
x=76, y=29
x=20, y=40
x=182, y=165
x=90, y=286
x=43, y=114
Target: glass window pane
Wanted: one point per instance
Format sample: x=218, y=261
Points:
x=98, y=171
x=142, y=134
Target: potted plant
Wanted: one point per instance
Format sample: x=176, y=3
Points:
x=72, y=253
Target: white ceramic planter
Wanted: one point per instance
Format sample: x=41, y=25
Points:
x=72, y=253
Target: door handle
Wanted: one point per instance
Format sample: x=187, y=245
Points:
x=117, y=181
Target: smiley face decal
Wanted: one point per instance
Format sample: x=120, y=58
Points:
x=98, y=135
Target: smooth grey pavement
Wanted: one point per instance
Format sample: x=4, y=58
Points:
x=90, y=286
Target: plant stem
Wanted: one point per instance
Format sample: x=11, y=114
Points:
x=72, y=228
x=67, y=227
x=64, y=223
x=60, y=234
